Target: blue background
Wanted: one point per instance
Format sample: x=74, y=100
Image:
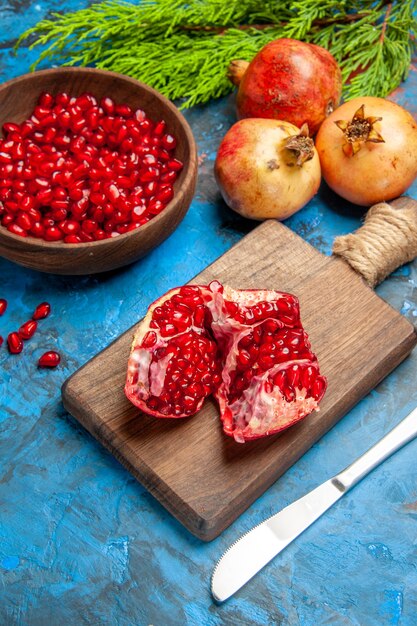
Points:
x=81, y=542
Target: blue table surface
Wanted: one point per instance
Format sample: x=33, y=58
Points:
x=81, y=542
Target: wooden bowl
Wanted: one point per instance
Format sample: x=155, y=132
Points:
x=18, y=98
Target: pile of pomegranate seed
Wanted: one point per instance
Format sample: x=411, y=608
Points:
x=15, y=340
x=79, y=170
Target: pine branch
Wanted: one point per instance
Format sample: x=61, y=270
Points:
x=183, y=48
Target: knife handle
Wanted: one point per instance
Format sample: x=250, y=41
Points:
x=393, y=441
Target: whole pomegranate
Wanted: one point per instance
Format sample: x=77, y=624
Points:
x=368, y=150
x=246, y=347
x=288, y=80
x=267, y=168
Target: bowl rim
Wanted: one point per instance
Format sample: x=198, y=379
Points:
x=42, y=244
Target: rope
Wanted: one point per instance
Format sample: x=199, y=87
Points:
x=387, y=240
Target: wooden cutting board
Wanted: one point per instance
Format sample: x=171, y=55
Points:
x=205, y=479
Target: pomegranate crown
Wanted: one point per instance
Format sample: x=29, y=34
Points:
x=359, y=130
x=301, y=145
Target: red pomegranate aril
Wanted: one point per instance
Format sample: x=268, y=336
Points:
x=49, y=359
x=23, y=220
x=155, y=206
x=44, y=196
x=150, y=188
x=42, y=310
x=16, y=230
x=85, y=237
x=34, y=214
x=53, y=233
x=175, y=165
x=164, y=194
x=107, y=105
x=160, y=128
x=46, y=100
x=28, y=329
x=14, y=343
x=37, y=230
x=149, y=339
x=3, y=306
x=169, y=142
x=89, y=226
x=10, y=127
x=59, y=214
x=72, y=239
x=169, y=177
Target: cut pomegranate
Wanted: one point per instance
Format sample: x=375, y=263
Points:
x=246, y=347
x=49, y=359
x=174, y=363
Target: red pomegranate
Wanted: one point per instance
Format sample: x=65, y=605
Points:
x=247, y=347
x=289, y=80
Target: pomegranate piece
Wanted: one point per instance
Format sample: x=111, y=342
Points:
x=3, y=306
x=246, y=347
x=42, y=310
x=49, y=359
x=15, y=344
x=174, y=363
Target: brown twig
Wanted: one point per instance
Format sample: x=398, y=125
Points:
x=345, y=19
x=384, y=25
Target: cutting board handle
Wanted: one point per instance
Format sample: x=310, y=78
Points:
x=387, y=240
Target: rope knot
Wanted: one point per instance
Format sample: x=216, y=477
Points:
x=387, y=240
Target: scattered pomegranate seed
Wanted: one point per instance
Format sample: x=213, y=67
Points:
x=49, y=359
x=77, y=168
x=3, y=306
x=14, y=343
x=42, y=310
x=27, y=330
x=1, y=340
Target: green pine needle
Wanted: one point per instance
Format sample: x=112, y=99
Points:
x=183, y=48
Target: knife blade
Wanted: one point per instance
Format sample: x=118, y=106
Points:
x=249, y=554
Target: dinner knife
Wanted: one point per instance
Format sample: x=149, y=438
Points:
x=249, y=554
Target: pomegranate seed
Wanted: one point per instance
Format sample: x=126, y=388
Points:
x=72, y=239
x=73, y=155
x=23, y=220
x=149, y=339
x=318, y=388
x=14, y=343
x=168, y=142
x=49, y=359
x=9, y=127
x=175, y=165
x=37, y=229
x=46, y=100
x=3, y=306
x=42, y=310
x=28, y=329
x=16, y=230
x=53, y=233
